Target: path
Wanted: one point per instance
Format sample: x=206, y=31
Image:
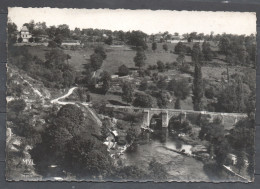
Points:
x=64, y=96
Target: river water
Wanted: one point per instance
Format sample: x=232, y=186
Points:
x=179, y=167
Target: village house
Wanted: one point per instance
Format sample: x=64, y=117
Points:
x=24, y=35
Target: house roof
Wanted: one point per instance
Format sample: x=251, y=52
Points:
x=24, y=29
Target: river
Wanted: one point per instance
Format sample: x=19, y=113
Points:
x=178, y=166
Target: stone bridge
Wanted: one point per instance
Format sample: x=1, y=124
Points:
x=228, y=119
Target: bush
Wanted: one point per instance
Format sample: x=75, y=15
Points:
x=181, y=88
x=123, y=70
x=20, y=40
x=16, y=105
x=143, y=100
x=160, y=66
x=185, y=68
x=209, y=93
x=179, y=126
x=31, y=40
x=143, y=85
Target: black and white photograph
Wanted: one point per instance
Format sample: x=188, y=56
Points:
x=130, y=95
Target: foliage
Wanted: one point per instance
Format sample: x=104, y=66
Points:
x=163, y=98
x=179, y=126
x=233, y=97
x=128, y=92
x=181, y=58
x=123, y=70
x=215, y=134
x=109, y=40
x=143, y=100
x=101, y=51
x=131, y=135
x=106, y=79
x=154, y=46
x=16, y=105
x=31, y=39
x=165, y=47
x=140, y=58
x=180, y=48
x=20, y=40
x=177, y=104
x=160, y=66
x=197, y=81
x=72, y=112
x=207, y=52
x=143, y=85
x=52, y=44
x=181, y=88
x=161, y=83
x=137, y=39
x=96, y=61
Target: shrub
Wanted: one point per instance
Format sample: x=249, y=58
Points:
x=123, y=70
x=31, y=40
x=185, y=68
x=181, y=88
x=20, y=40
x=209, y=92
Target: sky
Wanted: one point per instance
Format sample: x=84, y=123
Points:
x=148, y=21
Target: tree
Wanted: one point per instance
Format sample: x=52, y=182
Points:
x=140, y=58
x=143, y=85
x=131, y=135
x=137, y=39
x=52, y=44
x=31, y=39
x=68, y=78
x=71, y=112
x=143, y=100
x=12, y=29
x=106, y=79
x=207, y=52
x=160, y=66
x=163, y=99
x=16, y=105
x=224, y=45
x=105, y=128
x=161, y=83
x=128, y=92
x=109, y=40
x=177, y=104
x=20, y=40
x=197, y=81
x=176, y=124
x=181, y=58
x=68, y=57
x=154, y=46
x=96, y=61
x=30, y=26
x=180, y=48
x=123, y=70
x=165, y=47
x=241, y=157
x=100, y=50
x=181, y=88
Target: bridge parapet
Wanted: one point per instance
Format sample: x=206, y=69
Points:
x=228, y=119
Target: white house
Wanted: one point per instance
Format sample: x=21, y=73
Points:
x=24, y=34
